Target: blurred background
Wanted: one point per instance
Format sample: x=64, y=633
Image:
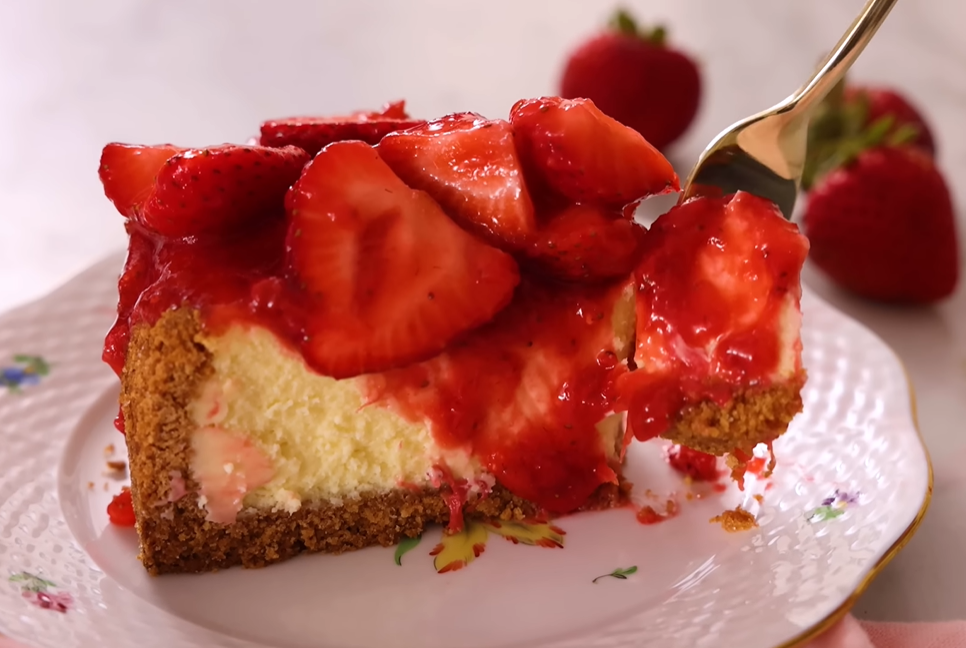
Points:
x=75, y=75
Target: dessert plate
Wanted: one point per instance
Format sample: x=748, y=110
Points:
x=852, y=483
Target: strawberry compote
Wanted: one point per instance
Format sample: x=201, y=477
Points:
x=718, y=280
x=524, y=393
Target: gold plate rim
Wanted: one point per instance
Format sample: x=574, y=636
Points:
x=846, y=606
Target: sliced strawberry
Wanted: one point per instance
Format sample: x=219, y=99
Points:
x=314, y=133
x=585, y=155
x=586, y=243
x=469, y=165
x=128, y=172
x=213, y=190
x=393, y=110
x=393, y=280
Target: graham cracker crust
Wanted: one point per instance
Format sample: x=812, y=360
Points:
x=165, y=368
x=753, y=415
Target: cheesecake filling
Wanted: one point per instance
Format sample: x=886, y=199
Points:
x=273, y=434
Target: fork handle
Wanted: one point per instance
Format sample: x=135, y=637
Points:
x=847, y=50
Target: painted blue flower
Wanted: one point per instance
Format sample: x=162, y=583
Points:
x=27, y=371
x=19, y=376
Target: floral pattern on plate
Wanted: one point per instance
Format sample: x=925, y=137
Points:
x=25, y=370
x=40, y=592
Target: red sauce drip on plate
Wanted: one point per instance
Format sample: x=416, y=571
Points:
x=648, y=516
x=699, y=466
x=121, y=509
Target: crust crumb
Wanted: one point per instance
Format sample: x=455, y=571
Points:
x=116, y=470
x=735, y=520
x=109, y=450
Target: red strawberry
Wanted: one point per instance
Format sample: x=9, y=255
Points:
x=637, y=79
x=883, y=227
x=393, y=279
x=469, y=165
x=585, y=243
x=699, y=466
x=200, y=191
x=585, y=155
x=314, y=133
x=880, y=103
x=128, y=172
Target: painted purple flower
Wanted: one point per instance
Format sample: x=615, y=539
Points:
x=847, y=498
x=56, y=601
x=841, y=497
x=833, y=506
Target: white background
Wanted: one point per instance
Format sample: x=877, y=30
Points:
x=75, y=75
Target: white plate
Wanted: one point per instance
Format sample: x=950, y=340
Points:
x=694, y=584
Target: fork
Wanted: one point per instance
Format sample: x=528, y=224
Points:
x=765, y=154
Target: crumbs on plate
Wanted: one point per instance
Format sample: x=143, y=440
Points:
x=735, y=520
x=116, y=469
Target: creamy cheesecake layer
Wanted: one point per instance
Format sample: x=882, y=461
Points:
x=273, y=434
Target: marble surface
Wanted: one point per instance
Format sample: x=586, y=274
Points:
x=76, y=75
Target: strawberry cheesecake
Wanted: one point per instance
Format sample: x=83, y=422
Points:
x=364, y=325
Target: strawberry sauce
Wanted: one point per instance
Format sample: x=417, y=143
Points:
x=524, y=393
x=712, y=289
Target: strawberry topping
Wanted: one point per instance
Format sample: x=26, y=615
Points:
x=469, y=165
x=586, y=156
x=393, y=280
x=128, y=173
x=193, y=192
x=214, y=190
x=314, y=133
x=586, y=243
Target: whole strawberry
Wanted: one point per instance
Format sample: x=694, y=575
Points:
x=878, y=103
x=882, y=226
x=635, y=77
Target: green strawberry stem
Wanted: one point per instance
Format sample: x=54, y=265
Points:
x=838, y=134
x=623, y=22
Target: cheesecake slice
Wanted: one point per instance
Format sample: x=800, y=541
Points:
x=461, y=321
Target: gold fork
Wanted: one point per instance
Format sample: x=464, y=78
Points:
x=765, y=154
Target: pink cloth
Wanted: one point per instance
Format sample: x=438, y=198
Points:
x=850, y=633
